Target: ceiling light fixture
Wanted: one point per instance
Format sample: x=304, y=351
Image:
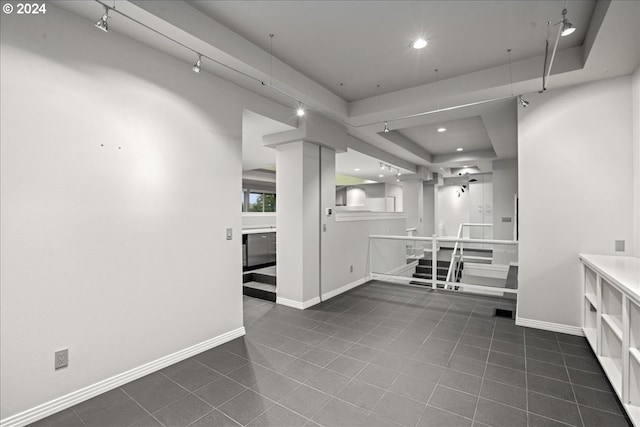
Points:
x=442, y=130
x=102, y=23
x=300, y=111
x=419, y=44
x=523, y=102
x=197, y=65
x=567, y=27
x=357, y=169
x=381, y=176
x=381, y=166
x=386, y=128
x=460, y=149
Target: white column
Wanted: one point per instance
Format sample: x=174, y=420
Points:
x=298, y=223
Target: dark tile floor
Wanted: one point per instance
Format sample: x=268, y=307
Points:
x=380, y=355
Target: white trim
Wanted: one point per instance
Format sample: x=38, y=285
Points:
x=548, y=326
x=297, y=304
x=56, y=405
x=368, y=216
x=345, y=288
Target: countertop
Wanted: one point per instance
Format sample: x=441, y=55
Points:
x=622, y=271
x=258, y=230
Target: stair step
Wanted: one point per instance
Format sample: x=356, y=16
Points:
x=259, y=290
x=427, y=262
x=428, y=276
x=425, y=270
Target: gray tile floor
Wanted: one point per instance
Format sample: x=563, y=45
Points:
x=380, y=355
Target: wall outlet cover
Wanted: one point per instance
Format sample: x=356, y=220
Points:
x=62, y=358
x=619, y=245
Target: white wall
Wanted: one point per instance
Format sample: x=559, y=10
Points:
x=356, y=197
x=635, y=95
x=480, y=206
x=258, y=219
x=505, y=187
x=413, y=204
x=575, y=189
x=395, y=191
x=346, y=244
x=452, y=210
x=430, y=200
x=113, y=220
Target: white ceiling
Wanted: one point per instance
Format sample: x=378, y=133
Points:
x=468, y=133
x=364, y=45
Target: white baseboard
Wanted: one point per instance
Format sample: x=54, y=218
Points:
x=548, y=326
x=297, y=304
x=345, y=288
x=34, y=414
x=327, y=295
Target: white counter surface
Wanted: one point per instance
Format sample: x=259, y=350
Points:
x=258, y=230
x=621, y=271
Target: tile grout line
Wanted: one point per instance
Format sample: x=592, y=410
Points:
x=448, y=362
x=484, y=373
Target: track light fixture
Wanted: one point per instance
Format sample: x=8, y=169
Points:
x=197, y=65
x=385, y=166
x=523, y=102
x=300, y=111
x=102, y=23
x=567, y=27
x=386, y=128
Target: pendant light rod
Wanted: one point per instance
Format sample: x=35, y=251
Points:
x=555, y=48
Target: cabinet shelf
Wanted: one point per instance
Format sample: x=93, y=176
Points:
x=591, y=336
x=592, y=299
x=611, y=323
x=613, y=368
x=615, y=324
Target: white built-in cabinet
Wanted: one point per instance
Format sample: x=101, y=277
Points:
x=611, y=322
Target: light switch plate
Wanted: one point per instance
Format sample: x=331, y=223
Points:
x=229, y=233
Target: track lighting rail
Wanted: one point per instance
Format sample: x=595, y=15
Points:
x=200, y=55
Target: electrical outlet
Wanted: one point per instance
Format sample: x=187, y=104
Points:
x=619, y=245
x=62, y=358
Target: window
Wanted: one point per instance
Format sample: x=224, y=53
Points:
x=258, y=201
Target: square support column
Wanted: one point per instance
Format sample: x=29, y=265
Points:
x=298, y=223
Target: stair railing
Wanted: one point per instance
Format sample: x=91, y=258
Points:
x=460, y=257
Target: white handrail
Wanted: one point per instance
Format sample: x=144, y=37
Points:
x=443, y=239
x=453, y=254
x=390, y=237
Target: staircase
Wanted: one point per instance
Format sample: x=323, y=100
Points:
x=424, y=267
x=260, y=283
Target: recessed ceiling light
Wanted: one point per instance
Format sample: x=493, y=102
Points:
x=419, y=44
x=459, y=149
x=442, y=129
x=357, y=169
x=381, y=176
x=300, y=112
